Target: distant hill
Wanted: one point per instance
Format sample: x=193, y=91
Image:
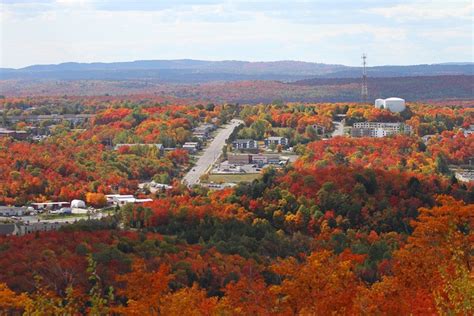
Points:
x=200, y=71
x=459, y=87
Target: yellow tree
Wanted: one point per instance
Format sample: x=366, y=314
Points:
x=432, y=273
x=12, y=303
x=144, y=290
x=248, y=296
x=440, y=246
x=323, y=284
x=189, y=301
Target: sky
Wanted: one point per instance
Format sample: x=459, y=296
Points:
x=327, y=31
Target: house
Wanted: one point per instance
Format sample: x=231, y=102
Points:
x=243, y=144
x=154, y=186
x=191, y=147
x=239, y=159
x=276, y=140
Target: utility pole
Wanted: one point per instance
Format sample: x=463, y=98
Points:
x=364, y=92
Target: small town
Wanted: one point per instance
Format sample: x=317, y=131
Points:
x=224, y=158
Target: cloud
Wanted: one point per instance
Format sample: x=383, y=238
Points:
x=105, y=30
x=433, y=10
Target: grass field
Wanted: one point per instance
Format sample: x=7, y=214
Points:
x=235, y=178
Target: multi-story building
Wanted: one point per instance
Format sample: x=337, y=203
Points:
x=379, y=129
x=276, y=140
x=243, y=144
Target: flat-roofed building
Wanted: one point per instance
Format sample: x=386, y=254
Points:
x=20, y=135
x=50, y=205
x=264, y=159
x=191, y=147
x=13, y=211
x=239, y=159
x=121, y=200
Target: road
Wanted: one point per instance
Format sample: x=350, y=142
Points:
x=339, y=129
x=211, y=153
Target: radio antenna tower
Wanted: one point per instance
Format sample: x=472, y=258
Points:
x=364, y=92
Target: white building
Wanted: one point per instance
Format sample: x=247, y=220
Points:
x=379, y=103
x=393, y=104
x=468, y=131
x=379, y=129
x=191, y=147
x=50, y=205
x=13, y=211
x=121, y=200
x=465, y=176
x=78, y=204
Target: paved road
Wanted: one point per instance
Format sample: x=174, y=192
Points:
x=339, y=129
x=211, y=153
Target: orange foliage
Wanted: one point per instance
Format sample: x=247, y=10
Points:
x=96, y=199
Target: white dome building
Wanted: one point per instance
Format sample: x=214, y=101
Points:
x=78, y=204
x=393, y=104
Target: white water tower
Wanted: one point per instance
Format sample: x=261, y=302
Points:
x=396, y=105
x=379, y=103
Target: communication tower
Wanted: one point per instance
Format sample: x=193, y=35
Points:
x=364, y=91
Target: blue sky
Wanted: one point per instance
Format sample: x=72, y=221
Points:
x=337, y=32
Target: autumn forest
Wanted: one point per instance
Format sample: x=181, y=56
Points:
x=353, y=226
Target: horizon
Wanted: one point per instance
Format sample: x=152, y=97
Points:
x=237, y=60
x=46, y=32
